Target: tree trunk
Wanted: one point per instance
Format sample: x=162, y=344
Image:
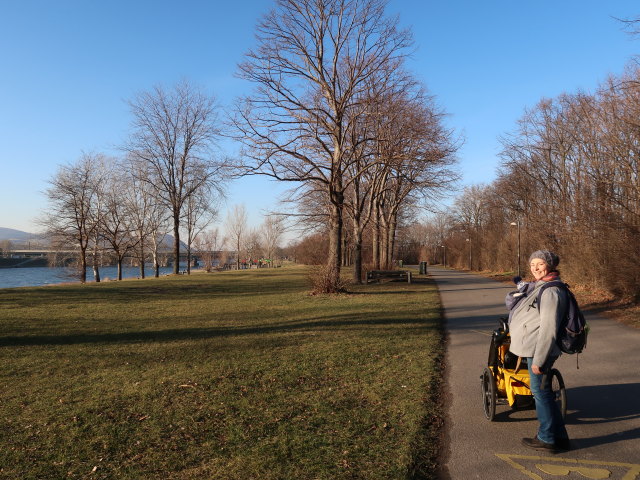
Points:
x=83, y=265
x=238, y=255
x=346, y=260
x=176, y=243
x=375, y=239
x=156, y=263
x=391, y=239
x=357, y=254
x=189, y=259
x=96, y=270
x=335, y=243
x=383, y=249
x=141, y=261
x=119, y=266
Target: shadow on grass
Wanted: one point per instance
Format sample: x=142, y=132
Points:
x=176, y=288
x=378, y=288
x=170, y=335
x=128, y=291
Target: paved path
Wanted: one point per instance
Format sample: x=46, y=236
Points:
x=603, y=415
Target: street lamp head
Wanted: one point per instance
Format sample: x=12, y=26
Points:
x=514, y=224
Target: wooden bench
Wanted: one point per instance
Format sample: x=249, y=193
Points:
x=378, y=275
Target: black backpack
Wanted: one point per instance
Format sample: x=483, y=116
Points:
x=573, y=329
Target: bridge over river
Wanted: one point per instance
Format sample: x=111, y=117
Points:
x=49, y=257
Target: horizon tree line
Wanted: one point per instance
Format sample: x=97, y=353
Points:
x=569, y=181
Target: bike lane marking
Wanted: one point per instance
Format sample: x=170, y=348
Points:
x=562, y=467
x=487, y=334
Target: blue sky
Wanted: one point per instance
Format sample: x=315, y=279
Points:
x=69, y=66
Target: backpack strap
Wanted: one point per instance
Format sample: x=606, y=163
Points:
x=553, y=283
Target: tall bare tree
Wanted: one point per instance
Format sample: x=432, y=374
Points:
x=417, y=153
x=199, y=212
x=103, y=169
x=236, y=229
x=175, y=132
x=273, y=229
x=71, y=196
x=253, y=245
x=145, y=211
x=208, y=245
x=311, y=67
x=116, y=227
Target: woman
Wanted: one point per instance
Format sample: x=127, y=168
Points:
x=533, y=332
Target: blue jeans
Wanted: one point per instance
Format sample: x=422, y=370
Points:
x=548, y=412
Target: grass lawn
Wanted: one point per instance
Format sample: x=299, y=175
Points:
x=235, y=375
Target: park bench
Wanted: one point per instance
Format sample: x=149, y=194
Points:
x=378, y=275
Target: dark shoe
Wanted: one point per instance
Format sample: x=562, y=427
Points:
x=563, y=444
x=539, y=445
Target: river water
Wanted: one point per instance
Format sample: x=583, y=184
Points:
x=38, y=276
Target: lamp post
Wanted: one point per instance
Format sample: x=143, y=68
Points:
x=518, y=225
x=469, y=241
x=444, y=255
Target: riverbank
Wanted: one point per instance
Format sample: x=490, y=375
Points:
x=235, y=375
x=41, y=276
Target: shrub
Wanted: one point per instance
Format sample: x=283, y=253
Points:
x=322, y=282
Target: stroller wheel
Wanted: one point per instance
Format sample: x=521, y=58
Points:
x=557, y=386
x=488, y=394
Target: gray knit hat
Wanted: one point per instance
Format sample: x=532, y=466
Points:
x=550, y=258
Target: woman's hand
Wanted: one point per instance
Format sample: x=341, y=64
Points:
x=536, y=369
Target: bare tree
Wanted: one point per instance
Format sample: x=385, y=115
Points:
x=253, y=245
x=272, y=231
x=145, y=212
x=236, y=227
x=199, y=212
x=71, y=195
x=208, y=244
x=406, y=152
x=311, y=67
x=472, y=211
x=116, y=226
x=103, y=170
x=632, y=25
x=5, y=247
x=418, y=154
x=158, y=228
x=174, y=133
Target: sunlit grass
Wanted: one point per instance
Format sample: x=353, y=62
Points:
x=236, y=375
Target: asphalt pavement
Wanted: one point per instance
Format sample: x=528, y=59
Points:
x=603, y=414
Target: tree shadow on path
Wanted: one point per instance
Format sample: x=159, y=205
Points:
x=600, y=404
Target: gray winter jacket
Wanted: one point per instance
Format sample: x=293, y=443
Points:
x=533, y=327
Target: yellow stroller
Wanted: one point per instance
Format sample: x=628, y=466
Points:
x=505, y=380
